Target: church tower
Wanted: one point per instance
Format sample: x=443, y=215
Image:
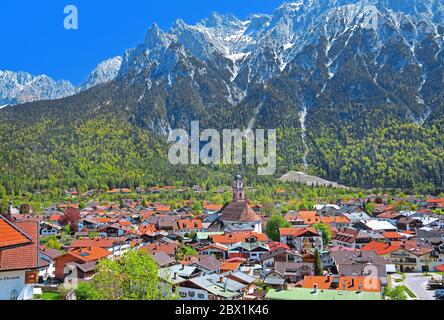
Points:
x=238, y=189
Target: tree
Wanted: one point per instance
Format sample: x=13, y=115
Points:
x=25, y=209
x=132, y=277
x=71, y=216
x=185, y=251
x=85, y=291
x=326, y=232
x=319, y=269
x=273, y=225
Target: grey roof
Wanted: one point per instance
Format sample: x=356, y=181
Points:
x=207, y=262
x=274, y=281
x=243, y=276
x=162, y=259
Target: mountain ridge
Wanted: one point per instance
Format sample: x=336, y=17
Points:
x=355, y=102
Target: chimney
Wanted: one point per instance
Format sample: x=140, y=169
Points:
x=183, y=267
x=175, y=276
x=315, y=288
x=221, y=279
x=360, y=288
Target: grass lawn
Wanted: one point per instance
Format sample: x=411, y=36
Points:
x=409, y=292
x=51, y=296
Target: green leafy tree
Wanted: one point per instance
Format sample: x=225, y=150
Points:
x=319, y=269
x=273, y=225
x=185, y=251
x=326, y=233
x=132, y=277
x=85, y=291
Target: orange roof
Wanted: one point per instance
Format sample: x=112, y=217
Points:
x=168, y=248
x=296, y=232
x=55, y=217
x=381, y=248
x=90, y=254
x=25, y=256
x=230, y=266
x=435, y=200
x=163, y=208
x=310, y=217
x=337, y=219
x=392, y=235
x=11, y=236
x=212, y=207
x=235, y=237
x=148, y=229
x=189, y=224
x=352, y=283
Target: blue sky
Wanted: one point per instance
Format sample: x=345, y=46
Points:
x=34, y=40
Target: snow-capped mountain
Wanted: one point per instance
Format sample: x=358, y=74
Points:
x=22, y=87
x=103, y=73
x=326, y=73
x=396, y=45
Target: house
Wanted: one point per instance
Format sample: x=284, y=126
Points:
x=302, y=239
x=327, y=209
x=408, y=224
x=375, y=225
x=231, y=238
x=252, y=251
x=206, y=264
x=353, y=238
x=49, y=229
x=338, y=222
x=19, y=262
x=292, y=272
x=269, y=259
x=188, y=226
x=217, y=250
x=211, y=287
x=117, y=246
x=349, y=283
x=48, y=255
x=64, y=263
x=360, y=263
x=407, y=255
x=163, y=260
x=238, y=215
x=309, y=218
x=356, y=216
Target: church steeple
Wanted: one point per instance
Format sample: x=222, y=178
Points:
x=238, y=189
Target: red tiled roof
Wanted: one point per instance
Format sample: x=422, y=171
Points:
x=25, y=257
x=381, y=248
x=392, y=235
x=352, y=283
x=235, y=237
x=190, y=224
x=310, y=217
x=212, y=207
x=11, y=236
x=90, y=254
x=296, y=232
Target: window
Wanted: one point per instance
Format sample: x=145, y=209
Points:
x=13, y=295
x=183, y=294
x=201, y=296
x=191, y=294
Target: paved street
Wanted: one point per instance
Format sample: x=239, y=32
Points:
x=417, y=282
